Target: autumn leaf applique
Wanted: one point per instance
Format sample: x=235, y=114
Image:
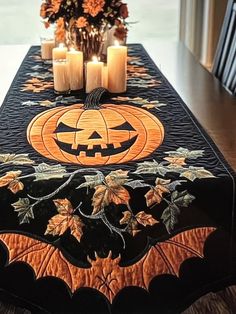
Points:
x=11, y=180
x=65, y=219
x=145, y=219
x=136, y=69
x=144, y=103
x=155, y=194
x=16, y=159
x=152, y=167
x=47, y=172
x=176, y=161
x=171, y=213
x=111, y=191
x=193, y=173
x=185, y=153
x=133, y=221
x=24, y=210
x=36, y=85
x=91, y=181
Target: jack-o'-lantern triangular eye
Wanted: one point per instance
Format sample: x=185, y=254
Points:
x=125, y=127
x=61, y=128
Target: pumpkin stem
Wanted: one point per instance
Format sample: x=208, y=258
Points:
x=92, y=101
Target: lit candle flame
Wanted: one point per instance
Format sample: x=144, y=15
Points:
x=72, y=49
x=61, y=45
x=116, y=43
x=94, y=59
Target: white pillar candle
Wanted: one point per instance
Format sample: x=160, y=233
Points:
x=47, y=46
x=75, y=69
x=60, y=75
x=94, y=73
x=105, y=77
x=59, y=52
x=117, y=68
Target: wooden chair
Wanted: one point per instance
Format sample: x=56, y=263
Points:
x=225, y=58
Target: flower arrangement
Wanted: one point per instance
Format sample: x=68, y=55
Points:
x=83, y=23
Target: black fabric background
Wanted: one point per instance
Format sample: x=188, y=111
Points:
x=214, y=206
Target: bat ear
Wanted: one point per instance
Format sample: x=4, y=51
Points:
x=118, y=258
x=89, y=260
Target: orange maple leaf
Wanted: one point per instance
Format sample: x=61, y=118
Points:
x=145, y=219
x=112, y=191
x=105, y=195
x=59, y=223
x=36, y=85
x=10, y=179
x=16, y=186
x=178, y=161
x=155, y=194
x=130, y=220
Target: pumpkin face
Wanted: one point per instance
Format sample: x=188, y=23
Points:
x=108, y=135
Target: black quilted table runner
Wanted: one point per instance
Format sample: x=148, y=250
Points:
x=110, y=203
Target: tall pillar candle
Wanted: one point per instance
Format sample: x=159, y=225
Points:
x=117, y=68
x=59, y=52
x=105, y=77
x=94, y=73
x=60, y=76
x=75, y=69
x=47, y=46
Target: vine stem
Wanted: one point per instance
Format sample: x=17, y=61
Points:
x=61, y=187
x=102, y=215
x=26, y=176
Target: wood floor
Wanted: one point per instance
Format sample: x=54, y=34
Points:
x=222, y=302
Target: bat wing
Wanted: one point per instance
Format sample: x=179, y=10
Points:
x=105, y=274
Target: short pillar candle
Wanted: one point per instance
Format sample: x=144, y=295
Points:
x=47, y=46
x=75, y=69
x=117, y=68
x=59, y=52
x=94, y=73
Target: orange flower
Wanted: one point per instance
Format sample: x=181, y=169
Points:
x=81, y=22
x=124, y=11
x=52, y=7
x=60, y=32
x=93, y=7
x=43, y=10
x=55, y=5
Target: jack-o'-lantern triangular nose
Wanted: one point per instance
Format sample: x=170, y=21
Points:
x=94, y=136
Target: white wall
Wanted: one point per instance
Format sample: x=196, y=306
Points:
x=157, y=19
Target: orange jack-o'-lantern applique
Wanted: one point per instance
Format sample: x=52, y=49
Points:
x=94, y=134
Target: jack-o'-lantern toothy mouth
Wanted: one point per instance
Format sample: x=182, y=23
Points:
x=97, y=149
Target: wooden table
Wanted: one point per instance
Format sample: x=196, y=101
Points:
x=211, y=104
x=195, y=85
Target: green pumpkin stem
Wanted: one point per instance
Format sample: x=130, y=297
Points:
x=92, y=101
